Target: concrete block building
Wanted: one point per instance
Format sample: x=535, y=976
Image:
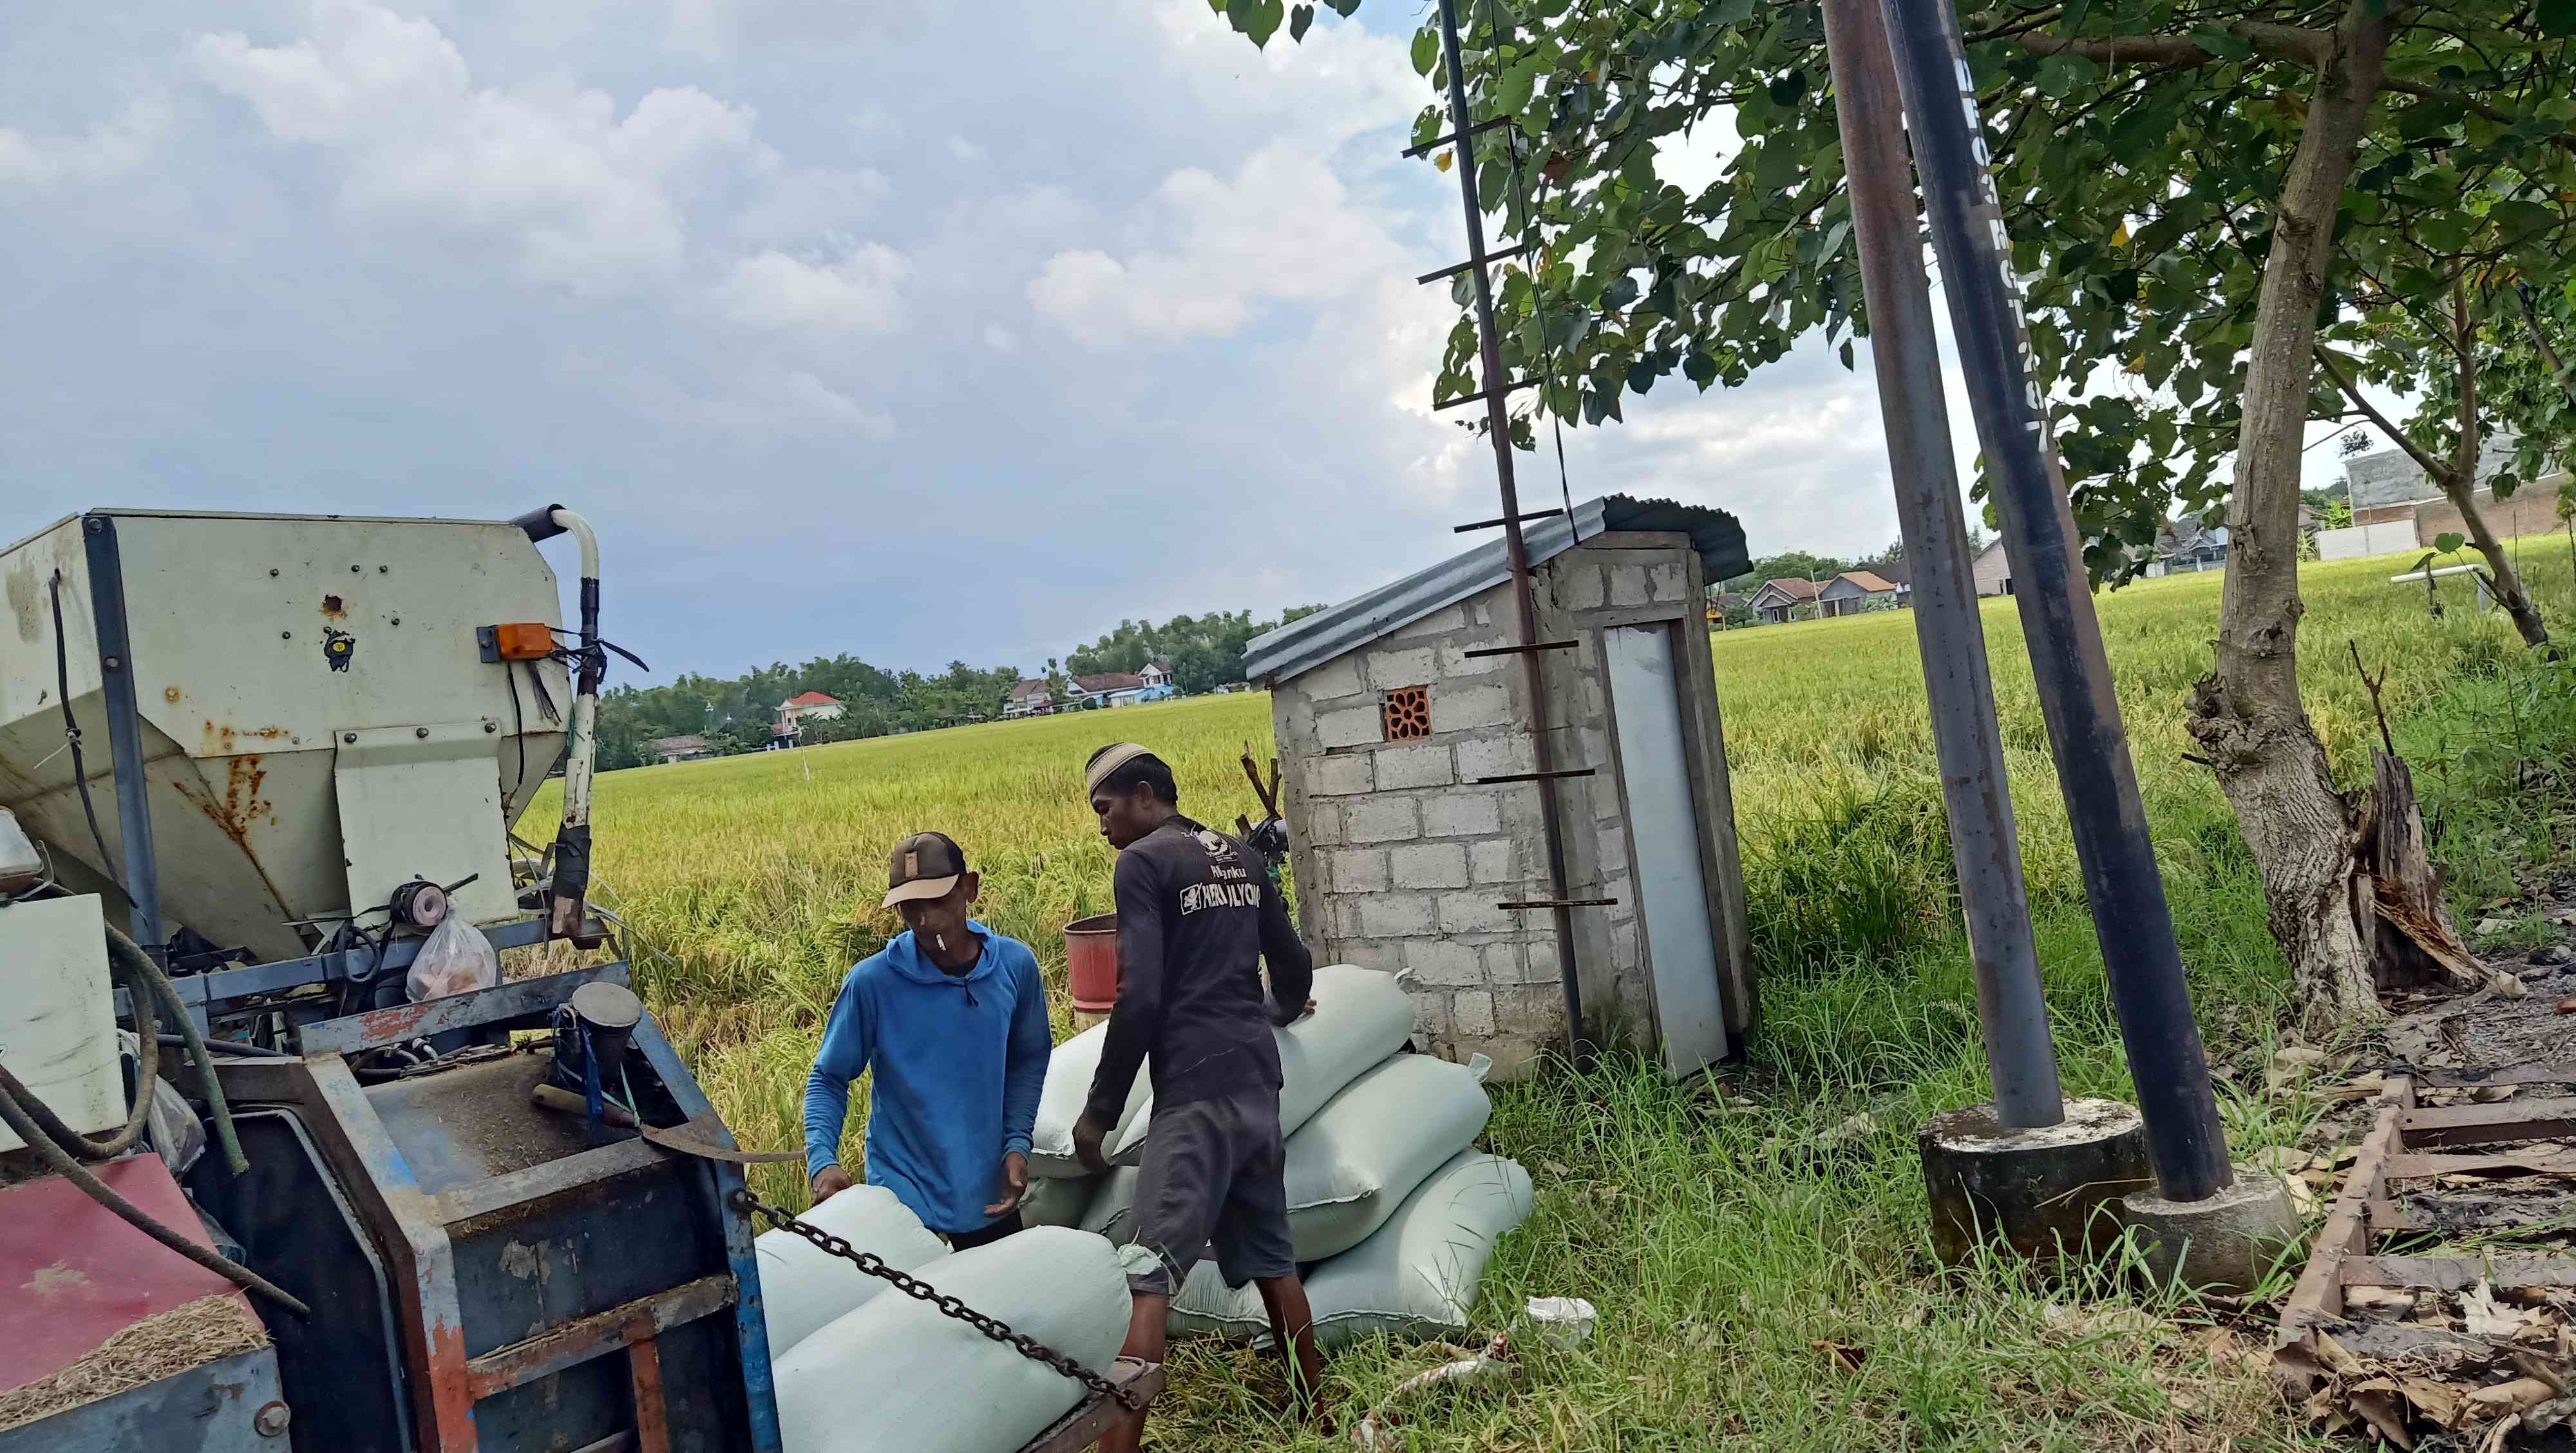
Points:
x=1399, y=747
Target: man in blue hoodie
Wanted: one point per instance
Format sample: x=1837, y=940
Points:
x=952, y=1017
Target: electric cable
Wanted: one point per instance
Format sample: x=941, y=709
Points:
x=72, y=731
x=14, y=1110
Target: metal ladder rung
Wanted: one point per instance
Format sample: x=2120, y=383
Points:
x=1454, y=269
x=1519, y=650
x=1504, y=392
x=1535, y=776
x=1562, y=903
x=1503, y=520
x=1437, y=142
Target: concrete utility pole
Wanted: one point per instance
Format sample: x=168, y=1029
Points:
x=2229, y=1230
x=2026, y=1168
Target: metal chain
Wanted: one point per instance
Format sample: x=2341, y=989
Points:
x=946, y=1305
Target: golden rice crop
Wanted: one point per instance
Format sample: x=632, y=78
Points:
x=751, y=883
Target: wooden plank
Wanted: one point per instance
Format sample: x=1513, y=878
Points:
x=2435, y=1126
x=584, y=1338
x=2545, y=1162
x=2458, y=1273
x=1082, y=1427
x=2319, y=1293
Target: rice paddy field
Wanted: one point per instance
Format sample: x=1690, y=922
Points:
x=1758, y=1251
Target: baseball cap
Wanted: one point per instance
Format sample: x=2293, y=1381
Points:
x=924, y=865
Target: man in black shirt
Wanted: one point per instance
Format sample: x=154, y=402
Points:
x=1197, y=913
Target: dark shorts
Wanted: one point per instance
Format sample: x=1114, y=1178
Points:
x=1009, y=1225
x=1210, y=1183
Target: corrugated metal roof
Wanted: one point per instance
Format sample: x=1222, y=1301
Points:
x=1304, y=644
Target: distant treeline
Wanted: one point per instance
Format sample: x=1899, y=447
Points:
x=736, y=714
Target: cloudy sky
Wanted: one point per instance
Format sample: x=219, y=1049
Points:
x=916, y=331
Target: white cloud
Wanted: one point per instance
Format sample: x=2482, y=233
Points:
x=1284, y=229
x=854, y=294
x=758, y=405
x=107, y=150
x=566, y=191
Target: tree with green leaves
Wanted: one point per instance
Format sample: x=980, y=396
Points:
x=2184, y=181
x=2437, y=307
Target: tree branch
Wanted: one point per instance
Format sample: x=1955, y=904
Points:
x=2431, y=466
x=2423, y=92
x=2278, y=42
x=2464, y=454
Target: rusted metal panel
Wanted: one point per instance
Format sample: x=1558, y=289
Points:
x=717, y=1182
x=381, y=1184
x=1083, y=1426
x=403, y=1023
x=652, y=1420
x=575, y=1342
x=538, y=1185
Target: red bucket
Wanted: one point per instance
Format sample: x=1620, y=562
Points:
x=1091, y=962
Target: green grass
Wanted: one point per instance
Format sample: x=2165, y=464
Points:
x=1718, y=1243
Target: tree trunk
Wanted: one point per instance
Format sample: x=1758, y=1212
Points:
x=2461, y=483
x=2507, y=580
x=2246, y=714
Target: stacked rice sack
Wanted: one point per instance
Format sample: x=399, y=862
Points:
x=860, y=1371
x=1392, y=1210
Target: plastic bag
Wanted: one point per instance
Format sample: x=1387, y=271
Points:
x=457, y=959
x=177, y=1134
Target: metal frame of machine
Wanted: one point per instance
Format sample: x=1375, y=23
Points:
x=496, y=1253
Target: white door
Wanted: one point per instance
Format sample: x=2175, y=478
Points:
x=1664, y=866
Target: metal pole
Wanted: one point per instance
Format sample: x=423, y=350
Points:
x=124, y=732
x=1498, y=428
x=2130, y=916
x=2020, y=1060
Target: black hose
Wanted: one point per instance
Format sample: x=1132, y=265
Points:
x=139, y=964
x=13, y=1109
x=72, y=731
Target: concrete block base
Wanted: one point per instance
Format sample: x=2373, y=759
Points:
x=2043, y=1193
x=2224, y=1243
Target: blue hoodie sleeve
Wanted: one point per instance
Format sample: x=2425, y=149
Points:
x=1032, y=1044
x=848, y=1044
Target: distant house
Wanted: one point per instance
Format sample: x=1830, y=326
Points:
x=681, y=749
x=1780, y=599
x=1899, y=573
x=1855, y=591
x=1029, y=698
x=1107, y=688
x=2186, y=546
x=2395, y=506
x=1992, y=571
x=809, y=704
x=1725, y=603
x=1156, y=673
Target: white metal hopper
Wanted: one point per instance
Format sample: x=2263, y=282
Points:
x=319, y=723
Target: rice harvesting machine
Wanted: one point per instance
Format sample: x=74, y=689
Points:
x=251, y=765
